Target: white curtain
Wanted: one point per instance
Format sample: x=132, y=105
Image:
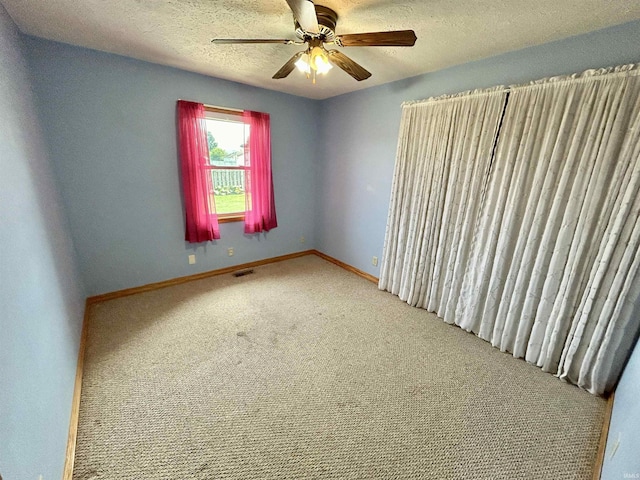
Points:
x=442, y=164
x=552, y=269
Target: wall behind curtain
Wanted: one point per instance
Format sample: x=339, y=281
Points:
x=41, y=296
x=110, y=123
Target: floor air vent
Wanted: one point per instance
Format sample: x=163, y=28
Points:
x=242, y=273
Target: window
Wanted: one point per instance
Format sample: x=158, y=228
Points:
x=227, y=136
x=227, y=171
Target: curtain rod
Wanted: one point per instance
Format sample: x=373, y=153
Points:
x=630, y=69
x=214, y=106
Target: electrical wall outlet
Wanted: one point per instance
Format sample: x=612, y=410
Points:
x=374, y=261
x=302, y=239
x=230, y=251
x=192, y=259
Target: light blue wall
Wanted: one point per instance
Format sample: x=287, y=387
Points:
x=624, y=429
x=110, y=125
x=360, y=132
x=41, y=299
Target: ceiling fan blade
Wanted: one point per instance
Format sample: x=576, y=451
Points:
x=223, y=41
x=397, y=38
x=305, y=13
x=288, y=67
x=345, y=63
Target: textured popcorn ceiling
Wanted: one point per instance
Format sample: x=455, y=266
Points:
x=178, y=33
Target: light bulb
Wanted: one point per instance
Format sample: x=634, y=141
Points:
x=323, y=65
x=303, y=64
x=319, y=61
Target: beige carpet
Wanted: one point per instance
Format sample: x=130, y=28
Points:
x=304, y=370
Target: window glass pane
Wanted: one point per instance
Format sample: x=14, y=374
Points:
x=228, y=187
x=226, y=140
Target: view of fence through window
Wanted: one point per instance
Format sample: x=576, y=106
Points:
x=227, y=135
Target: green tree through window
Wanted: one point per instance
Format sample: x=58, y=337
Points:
x=216, y=154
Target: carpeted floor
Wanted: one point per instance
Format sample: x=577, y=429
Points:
x=304, y=370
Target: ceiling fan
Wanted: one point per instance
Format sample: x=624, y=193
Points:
x=315, y=27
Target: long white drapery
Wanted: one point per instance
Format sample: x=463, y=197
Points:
x=544, y=260
x=443, y=160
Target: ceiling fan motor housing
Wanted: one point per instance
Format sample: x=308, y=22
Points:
x=327, y=20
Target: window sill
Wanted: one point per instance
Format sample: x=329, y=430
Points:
x=230, y=218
